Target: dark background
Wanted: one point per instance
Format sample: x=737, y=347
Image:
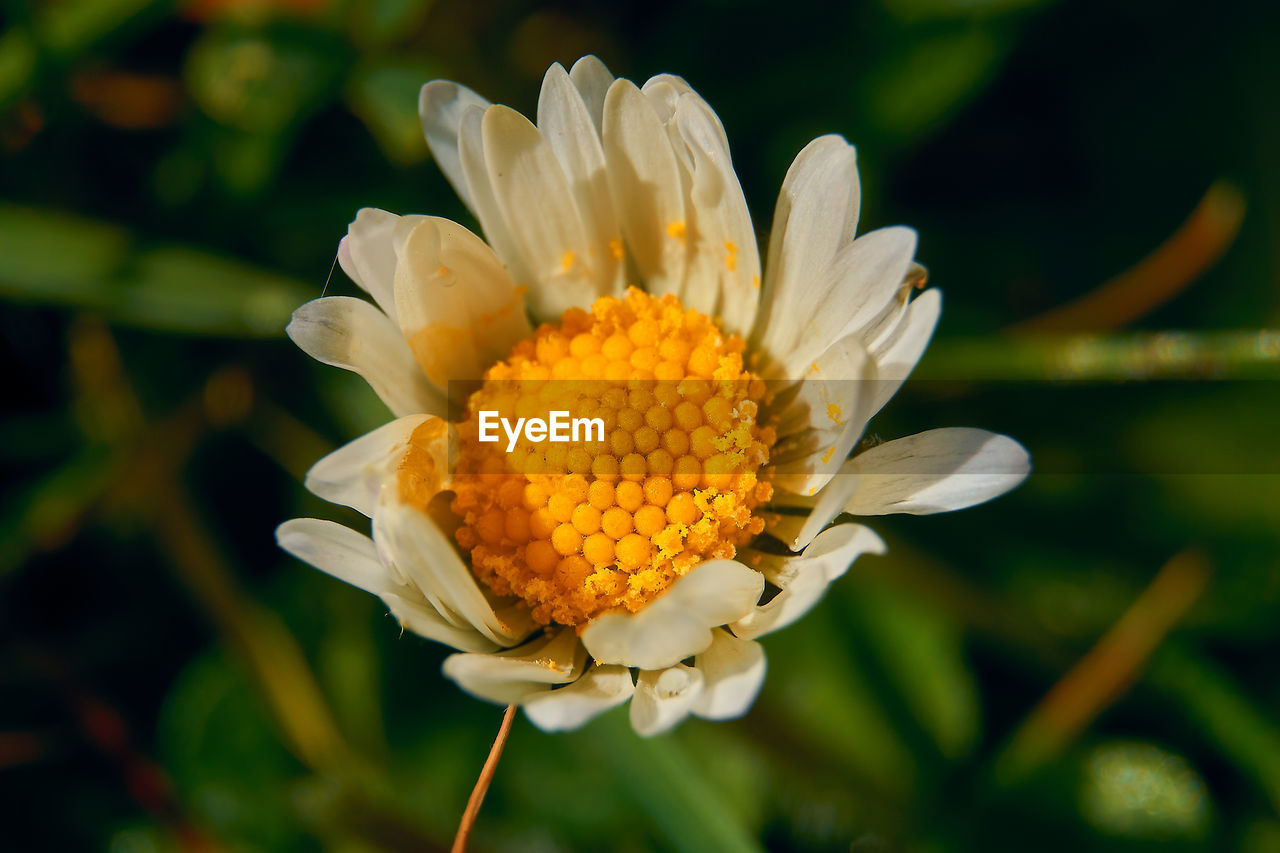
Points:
x=174, y=181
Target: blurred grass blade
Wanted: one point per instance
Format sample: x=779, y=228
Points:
x=827, y=704
x=1222, y=712
x=920, y=649
x=662, y=780
x=52, y=258
x=271, y=653
x=1106, y=358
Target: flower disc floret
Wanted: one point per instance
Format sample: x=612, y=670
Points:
x=610, y=521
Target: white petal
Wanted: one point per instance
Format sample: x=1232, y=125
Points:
x=416, y=615
x=787, y=527
x=863, y=282
x=598, y=690
x=732, y=672
x=724, y=275
x=649, y=640
x=886, y=327
x=666, y=91
x=419, y=549
x=352, y=334
x=676, y=624
x=337, y=550
x=484, y=202
x=514, y=675
x=897, y=356
x=458, y=309
x=796, y=532
x=539, y=214
x=593, y=80
x=664, y=698
x=353, y=475
x=565, y=122
x=645, y=181
x=351, y=557
x=368, y=253
x=441, y=105
x=816, y=215
x=825, y=419
x=804, y=579
x=936, y=471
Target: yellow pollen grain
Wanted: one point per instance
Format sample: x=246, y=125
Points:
x=676, y=229
x=834, y=413
x=615, y=249
x=580, y=528
x=567, y=259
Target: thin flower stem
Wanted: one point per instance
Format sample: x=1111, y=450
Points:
x=482, y=784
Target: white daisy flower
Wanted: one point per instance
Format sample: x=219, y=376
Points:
x=621, y=282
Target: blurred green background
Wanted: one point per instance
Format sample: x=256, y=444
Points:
x=1086, y=664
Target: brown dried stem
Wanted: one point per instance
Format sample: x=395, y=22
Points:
x=482, y=784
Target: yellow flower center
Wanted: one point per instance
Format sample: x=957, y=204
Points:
x=610, y=520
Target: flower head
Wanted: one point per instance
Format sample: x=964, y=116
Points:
x=620, y=291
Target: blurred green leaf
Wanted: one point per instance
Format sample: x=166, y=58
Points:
x=377, y=22
x=928, y=78
x=187, y=290
x=226, y=758
x=351, y=401
x=385, y=97
x=70, y=27
x=17, y=62
x=55, y=259
x=246, y=163
x=259, y=83
x=63, y=257
x=48, y=511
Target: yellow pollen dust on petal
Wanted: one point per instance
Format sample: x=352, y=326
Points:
x=609, y=520
x=676, y=230
x=420, y=476
x=731, y=256
x=432, y=343
x=615, y=249
x=567, y=259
